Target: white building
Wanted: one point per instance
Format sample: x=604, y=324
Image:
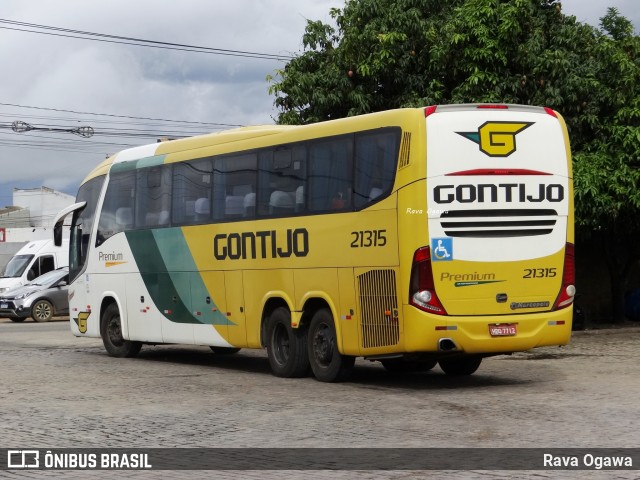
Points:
x=29, y=218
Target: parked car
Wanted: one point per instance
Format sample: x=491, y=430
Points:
x=40, y=299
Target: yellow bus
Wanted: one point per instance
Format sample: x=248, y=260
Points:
x=410, y=237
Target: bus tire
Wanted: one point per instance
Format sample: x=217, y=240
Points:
x=286, y=346
x=111, y=333
x=458, y=366
x=224, y=350
x=400, y=365
x=42, y=311
x=327, y=363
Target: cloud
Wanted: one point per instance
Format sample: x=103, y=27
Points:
x=88, y=76
x=592, y=12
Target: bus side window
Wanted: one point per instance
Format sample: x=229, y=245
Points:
x=249, y=205
x=234, y=201
x=202, y=210
x=300, y=198
x=234, y=179
x=124, y=218
x=192, y=181
x=153, y=195
x=375, y=165
x=330, y=174
x=118, y=206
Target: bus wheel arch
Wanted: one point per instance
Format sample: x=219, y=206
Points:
x=111, y=331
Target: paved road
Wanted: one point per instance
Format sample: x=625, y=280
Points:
x=62, y=392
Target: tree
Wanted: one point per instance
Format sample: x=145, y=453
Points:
x=607, y=166
x=384, y=54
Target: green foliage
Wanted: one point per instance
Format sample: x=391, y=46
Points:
x=384, y=54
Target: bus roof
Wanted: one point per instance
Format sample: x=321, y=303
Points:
x=256, y=136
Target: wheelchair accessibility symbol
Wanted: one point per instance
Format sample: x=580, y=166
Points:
x=442, y=249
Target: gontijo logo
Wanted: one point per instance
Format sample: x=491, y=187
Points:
x=497, y=139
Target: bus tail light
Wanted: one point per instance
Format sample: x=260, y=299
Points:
x=430, y=110
x=567, y=289
x=422, y=290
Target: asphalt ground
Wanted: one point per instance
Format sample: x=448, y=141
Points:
x=59, y=391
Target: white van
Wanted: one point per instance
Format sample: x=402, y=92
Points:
x=31, y=261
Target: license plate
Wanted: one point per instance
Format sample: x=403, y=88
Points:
x=4, y=305
x=503, y=330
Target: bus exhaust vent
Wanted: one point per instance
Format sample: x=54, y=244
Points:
x=405, y=150
x=498, y=223
x=379, y=308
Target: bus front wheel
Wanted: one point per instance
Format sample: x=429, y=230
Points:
x=460, y=365
x=286, y=347
x=327, y=363
x=111, y=333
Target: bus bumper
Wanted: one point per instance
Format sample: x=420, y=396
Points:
x=424, y=332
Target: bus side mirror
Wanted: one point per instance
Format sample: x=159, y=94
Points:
x=57, y=234
x=58, y=222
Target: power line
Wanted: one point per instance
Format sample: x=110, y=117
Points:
x=101, y=37
x=120, y=116
x=105, y=132
x=153, y=123
x=115, y=126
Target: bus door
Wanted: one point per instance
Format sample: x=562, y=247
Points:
x=237, y=329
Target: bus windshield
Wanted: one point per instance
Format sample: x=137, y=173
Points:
x=82, y=224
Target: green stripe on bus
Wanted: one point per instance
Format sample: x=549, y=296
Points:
x=171, y=277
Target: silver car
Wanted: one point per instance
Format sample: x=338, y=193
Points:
x=40, y=299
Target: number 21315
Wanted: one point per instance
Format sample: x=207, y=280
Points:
x=368, y=238
x=539, y=273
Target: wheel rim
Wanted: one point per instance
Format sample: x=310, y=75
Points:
x=280, y=344
x=323, y=345
x=43, y=311
x=114, y=332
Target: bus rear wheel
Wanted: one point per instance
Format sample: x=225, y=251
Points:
x=111, y=333
x=286, y=346
x=327, y=363
x=459, y=366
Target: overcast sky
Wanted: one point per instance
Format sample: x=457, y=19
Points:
x=56, y=75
